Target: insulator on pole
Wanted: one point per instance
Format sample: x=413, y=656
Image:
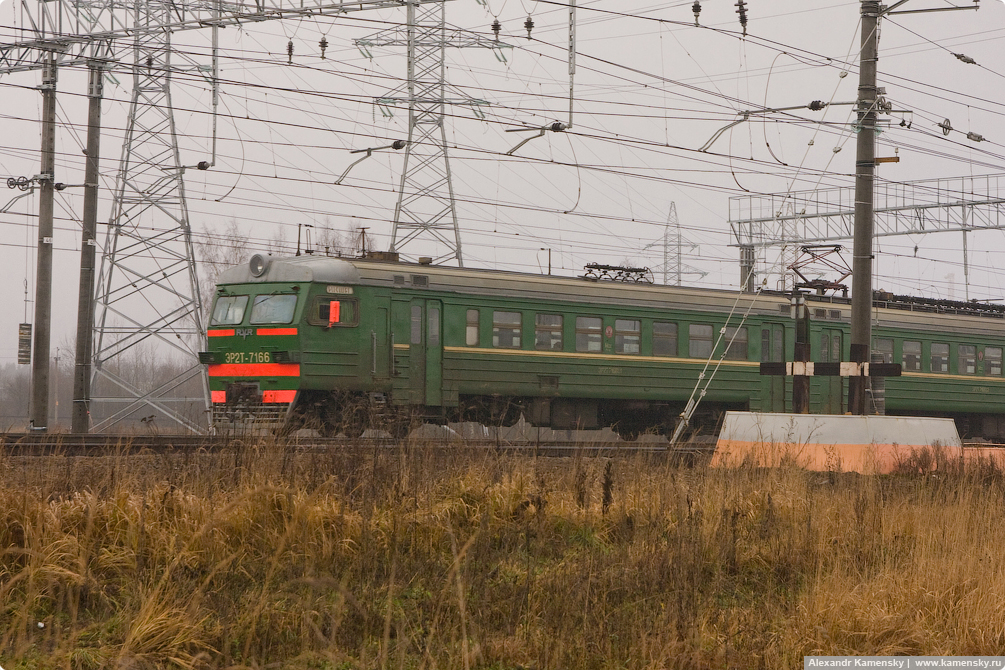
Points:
x=741, y=9
x=696, y=8
x=289, y=52
x=496, y=27
x=529, y=25
x=324, y=45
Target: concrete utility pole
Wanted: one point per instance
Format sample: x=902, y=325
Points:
x=869, y=101
x=85, y=297
x=865, y=169
x=39, y=415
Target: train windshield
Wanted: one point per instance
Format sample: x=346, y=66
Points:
x=229, y=310
x=273, y=309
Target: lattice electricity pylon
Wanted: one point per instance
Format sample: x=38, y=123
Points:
x=147, y=288
x=425, y=216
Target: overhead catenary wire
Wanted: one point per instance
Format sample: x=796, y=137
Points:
x=619, y=141
x=701, y=386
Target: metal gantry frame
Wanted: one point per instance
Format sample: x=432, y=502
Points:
x=791, y=220
x=81, y=30
x=425, y=216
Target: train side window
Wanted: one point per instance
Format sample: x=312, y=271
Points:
x=548, y=332
x=627, y=336
x=966, y=363
x=940, y=357
x=699, y=340
x=506, y=329
x=471, y=329
x=737, y=351
x=911, y=359
x=664, y=339
x=883, y=346
x=328, y=311
x=273, y=308
x=993, y=361
x=434, y=327
x=588, y=333
x=229, y=310
x=415, y=334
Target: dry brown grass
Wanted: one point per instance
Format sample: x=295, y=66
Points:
x=265, y=558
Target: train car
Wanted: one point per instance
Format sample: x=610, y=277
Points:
x=344, y=344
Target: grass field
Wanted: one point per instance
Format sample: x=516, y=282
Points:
x=265, y=558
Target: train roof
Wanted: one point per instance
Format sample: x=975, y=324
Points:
x=899, y=311
x=503, y=283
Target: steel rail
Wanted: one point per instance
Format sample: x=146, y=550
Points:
x=76, y=445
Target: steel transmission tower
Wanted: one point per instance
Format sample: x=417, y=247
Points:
x=425, y=216
x=148, y=287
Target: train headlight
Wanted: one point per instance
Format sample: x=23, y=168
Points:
x=258, y=265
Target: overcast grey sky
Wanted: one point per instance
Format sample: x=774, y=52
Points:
x=650, y=90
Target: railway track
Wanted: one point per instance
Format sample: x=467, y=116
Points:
x=77, y=445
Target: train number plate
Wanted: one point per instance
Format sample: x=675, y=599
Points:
x=341, y=290
x=248, y=357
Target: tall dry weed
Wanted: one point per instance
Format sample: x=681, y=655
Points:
x=413, y=557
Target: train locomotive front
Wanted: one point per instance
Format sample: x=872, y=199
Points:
x=282, y=334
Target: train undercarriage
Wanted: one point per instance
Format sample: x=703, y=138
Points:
x=353, y=413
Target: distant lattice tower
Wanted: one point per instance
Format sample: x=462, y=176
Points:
x=674, y=268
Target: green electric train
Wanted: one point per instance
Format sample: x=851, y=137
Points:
x=345, y=344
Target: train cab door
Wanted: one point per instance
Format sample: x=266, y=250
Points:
x=380, y=344
x=831, y=388
x=425, y=356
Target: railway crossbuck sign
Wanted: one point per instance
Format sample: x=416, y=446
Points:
x=842, y=369
x=801, y=371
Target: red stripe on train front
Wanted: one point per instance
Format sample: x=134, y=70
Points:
x=278, y=396
x=218, y=396
x=277, y=331
x=220, y=333
x=255, y=370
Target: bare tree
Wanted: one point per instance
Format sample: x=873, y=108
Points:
x=333, y=241
x=217, y=252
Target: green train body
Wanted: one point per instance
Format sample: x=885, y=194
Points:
x=347, y=343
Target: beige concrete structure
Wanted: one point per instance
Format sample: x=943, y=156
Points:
x=866, y=444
